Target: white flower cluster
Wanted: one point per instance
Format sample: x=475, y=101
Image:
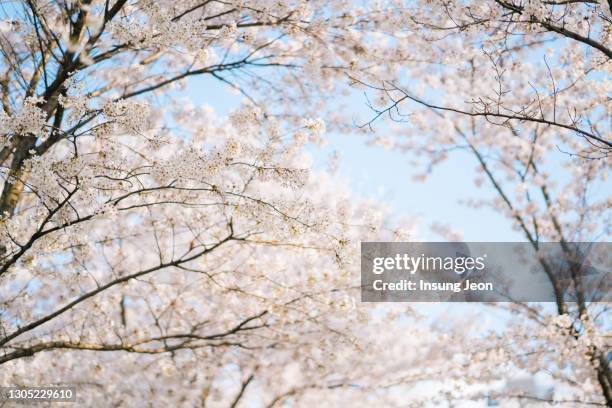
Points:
x=30, y=119
x=158, y=29
x=245, y=119
x=76, y=102
x=316, y=125
x=128, y=115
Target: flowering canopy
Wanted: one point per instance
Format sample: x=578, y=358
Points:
x=152, y=250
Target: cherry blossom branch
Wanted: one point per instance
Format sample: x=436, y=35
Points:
x=188, y=341
x=186, y=258
x=486, y=114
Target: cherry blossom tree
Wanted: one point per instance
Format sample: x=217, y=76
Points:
x=522, y=87
x=156, y=252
